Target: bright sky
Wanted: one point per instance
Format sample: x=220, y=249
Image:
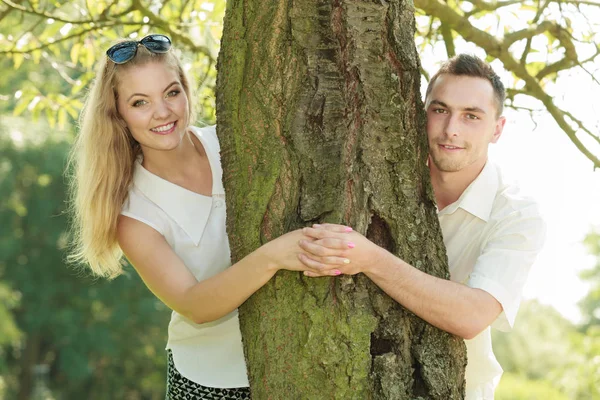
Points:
x=549, y=167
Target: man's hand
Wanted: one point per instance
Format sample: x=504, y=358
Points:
x=285, y=252
x=359, y=253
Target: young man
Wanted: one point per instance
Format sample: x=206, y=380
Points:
x=492, y=233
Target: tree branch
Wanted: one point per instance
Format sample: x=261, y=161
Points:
x=44, y=14
x=582, y=127
x=564, y=64
x=63, y=39
x=8, y=10
x=536, y=20
x=527, y=33
x=448, y=40
x=103, y=16
x=482, y=6
x=173, y=32
x=486, y=6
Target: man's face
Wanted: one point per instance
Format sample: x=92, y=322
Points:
x=461, y=122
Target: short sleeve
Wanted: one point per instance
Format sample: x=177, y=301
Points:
x=503, y=266
x=138, y=207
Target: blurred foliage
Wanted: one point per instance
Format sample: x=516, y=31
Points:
x=590, y=305
x=516, y=351
x=9, y=332
x=514, y=387
x=547, y=357
x=48, y=50
x=101, y=340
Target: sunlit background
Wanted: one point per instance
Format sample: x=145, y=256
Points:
x=64, y=336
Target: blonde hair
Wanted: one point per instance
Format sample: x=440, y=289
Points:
x=101, y=165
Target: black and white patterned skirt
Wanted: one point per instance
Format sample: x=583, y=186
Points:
x=180, y=388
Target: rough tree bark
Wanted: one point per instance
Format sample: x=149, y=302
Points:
x=320, y=119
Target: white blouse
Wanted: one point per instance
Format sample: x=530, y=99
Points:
x=210, y=354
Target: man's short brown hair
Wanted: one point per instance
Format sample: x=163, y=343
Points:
x=469, y=65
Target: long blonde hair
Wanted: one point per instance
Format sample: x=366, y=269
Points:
x=101, y=165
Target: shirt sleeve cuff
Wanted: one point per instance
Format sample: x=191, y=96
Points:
x=510, y=304
x=143, y=220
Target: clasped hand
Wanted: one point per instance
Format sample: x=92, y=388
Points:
x=334, y=250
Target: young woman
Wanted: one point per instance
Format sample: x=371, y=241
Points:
x=148, y=184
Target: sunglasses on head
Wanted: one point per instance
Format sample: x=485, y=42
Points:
x=122, y=52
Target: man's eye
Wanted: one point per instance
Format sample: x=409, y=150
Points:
x=439, y=111
x=471, y=116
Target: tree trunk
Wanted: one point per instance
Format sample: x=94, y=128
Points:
x=320, y=120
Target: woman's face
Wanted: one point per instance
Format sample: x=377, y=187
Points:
x=154, y=105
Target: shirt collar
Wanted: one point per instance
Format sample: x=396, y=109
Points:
x=478, y=197
x=189, y=210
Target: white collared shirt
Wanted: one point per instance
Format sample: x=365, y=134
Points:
x=492, y=235
x=210, y=354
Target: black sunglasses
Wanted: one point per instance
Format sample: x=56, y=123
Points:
x=122, y=52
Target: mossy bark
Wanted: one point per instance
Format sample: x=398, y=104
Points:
x=320, y=120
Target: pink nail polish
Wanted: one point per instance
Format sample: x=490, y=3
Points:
x=351, y=245
x=316, y=225
x=337, y=272
x=348, y=229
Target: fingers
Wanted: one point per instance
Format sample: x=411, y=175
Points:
x=315, y=275
x=318, y=233
x=332, y=261
x=334, y=243
x=318, y=268
x=333, y=227
x=326, y=247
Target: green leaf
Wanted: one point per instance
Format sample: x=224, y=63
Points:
x=17, y=59
x=50, y=116
x=36, y=56
x=71, y=111
x=75, y=53
x=62, y=118
x=51, y=30
x=22, y=104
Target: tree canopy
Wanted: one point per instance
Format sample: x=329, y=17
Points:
x=537, y=41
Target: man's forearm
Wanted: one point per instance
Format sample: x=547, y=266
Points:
x=453, y=307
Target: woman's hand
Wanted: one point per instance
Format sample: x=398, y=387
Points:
x=286, y=252
x=358, y=252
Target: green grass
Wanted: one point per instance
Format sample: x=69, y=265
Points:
x=514, y=387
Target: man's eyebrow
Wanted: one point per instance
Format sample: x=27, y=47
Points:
x=439, y=103
x=145, y=95
x=474, y=109
x=471, y=109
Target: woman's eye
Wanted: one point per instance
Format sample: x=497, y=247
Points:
x=439, y=111
x=173, y=93
x=139, y=103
